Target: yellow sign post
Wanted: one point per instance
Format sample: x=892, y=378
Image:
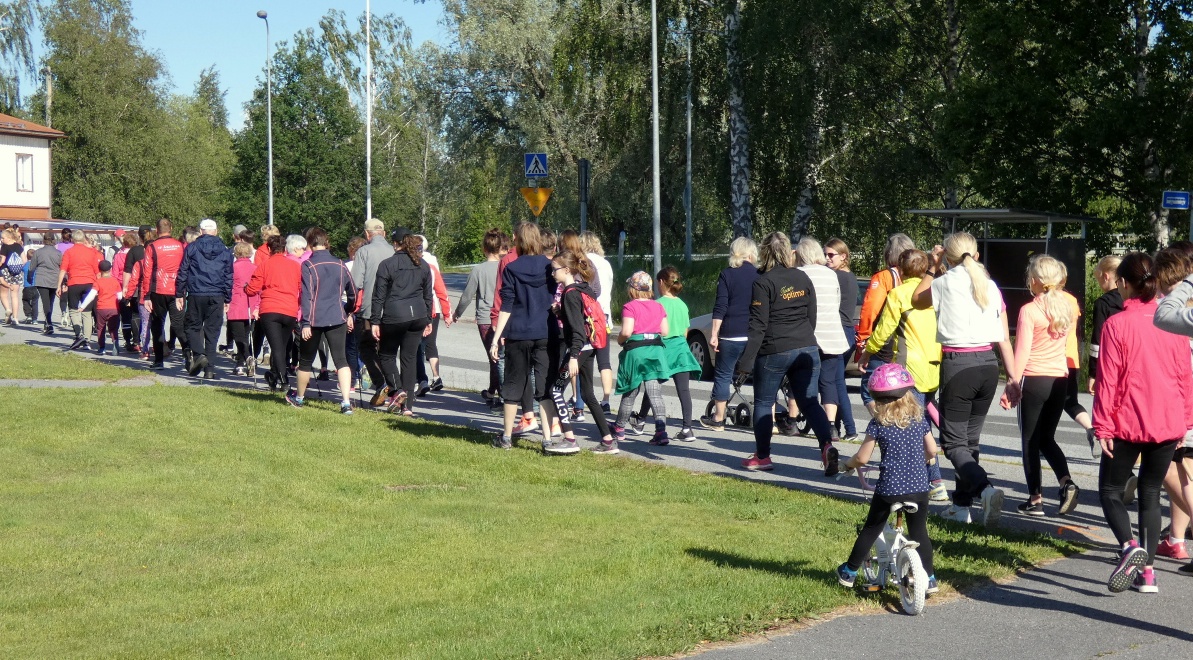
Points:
x=536, y=198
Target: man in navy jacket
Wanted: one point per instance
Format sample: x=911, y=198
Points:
x=205, y=284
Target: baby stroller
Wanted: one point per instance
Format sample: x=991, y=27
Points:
x=742, y=414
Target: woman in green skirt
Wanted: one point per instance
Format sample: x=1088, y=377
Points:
x=682, y=365
x=643, y=365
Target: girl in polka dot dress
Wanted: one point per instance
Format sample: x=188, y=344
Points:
x=907, y=446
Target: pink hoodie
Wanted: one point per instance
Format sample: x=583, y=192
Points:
x=242, y=303
x=1144, y=389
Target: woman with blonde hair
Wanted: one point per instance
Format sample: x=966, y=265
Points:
x=830, y=337
x=1041, y=369
x=12, y=269
x=730, y=323
x=782, y=342
x=970, y=320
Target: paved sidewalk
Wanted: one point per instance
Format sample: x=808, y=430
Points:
x=1059, y=611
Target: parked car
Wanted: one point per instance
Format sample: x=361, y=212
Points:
x=701, y=330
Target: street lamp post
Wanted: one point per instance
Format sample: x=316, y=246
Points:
x=654, y=68
x=268, y=107
x=368, y=111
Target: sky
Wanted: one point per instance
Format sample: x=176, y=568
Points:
x=190, y=36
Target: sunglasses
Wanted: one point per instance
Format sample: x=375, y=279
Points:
x=831, y=255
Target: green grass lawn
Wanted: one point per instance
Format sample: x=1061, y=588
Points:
x=21, y=361
x=197, y=522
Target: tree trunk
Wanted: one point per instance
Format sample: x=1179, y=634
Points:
x=812, y=157
x=740, y=212
x=422, y=214
x=1153, y=172
x=952, y=71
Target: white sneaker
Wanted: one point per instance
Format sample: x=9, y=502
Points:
x=991, y=503
x=957, y=514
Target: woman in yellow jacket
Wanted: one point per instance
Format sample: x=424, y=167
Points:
x=916, y=348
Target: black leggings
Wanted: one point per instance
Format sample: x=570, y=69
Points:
x=1073, y=406
x=238, y=335
x=279, y=331
x=1154, y=459
x=404, y=337
x=1039, y=412
x=163, y=305
x=47, y=303
x=681, y=381
x=917, y=528
x=336, y=336
x=968, y=383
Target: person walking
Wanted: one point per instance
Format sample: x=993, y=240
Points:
x=278, y=281
x=1143, y=408
x=428, y=350
x=12, y=273
x=242, y=308
x=836, y=257
x=830, y=338
x=107, y=293
x=159, y=274
x=881, y=284
x=681, y=363
x=326, y=283
x=401, y=316
x=46, y=262
x=364, y=276
x=970, y=319
x=479, y=289
x=76, y=277
x=603, y=285
x=730, y=324
x=204, y=290
x=782, y=343
x=1041, y=370
x=29, y=294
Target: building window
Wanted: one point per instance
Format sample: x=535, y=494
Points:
x=24, y=172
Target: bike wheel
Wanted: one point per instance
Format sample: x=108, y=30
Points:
x=912, y=579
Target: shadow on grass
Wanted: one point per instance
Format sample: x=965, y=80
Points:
x=721, y=559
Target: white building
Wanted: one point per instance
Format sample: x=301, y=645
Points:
x=25, y=169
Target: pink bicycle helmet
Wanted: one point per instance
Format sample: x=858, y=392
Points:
x=890, y=381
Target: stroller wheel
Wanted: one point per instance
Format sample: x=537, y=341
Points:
x=802, y=425
x=741, y=415
x=710, y=409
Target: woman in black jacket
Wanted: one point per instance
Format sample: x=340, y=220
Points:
x=401, y=315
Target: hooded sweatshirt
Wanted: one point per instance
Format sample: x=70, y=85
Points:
x=206, y=270
x=571, y=306
x=401, y=291
x=242, y=304
x=527, y=290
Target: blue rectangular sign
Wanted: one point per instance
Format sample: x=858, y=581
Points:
x=1177, y=200
x=536, y=166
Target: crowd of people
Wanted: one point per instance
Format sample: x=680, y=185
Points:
x=933, y=340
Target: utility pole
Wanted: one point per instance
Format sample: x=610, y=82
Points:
x=368, y=111
x=654, y=94
x=49, y=96
x=687, y=191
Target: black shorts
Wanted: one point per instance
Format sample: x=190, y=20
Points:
x=602, y=356
x=336, y=336
x=521, y=356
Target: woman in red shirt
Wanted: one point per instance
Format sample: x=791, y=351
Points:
x=278, y=280
x=1143, y=406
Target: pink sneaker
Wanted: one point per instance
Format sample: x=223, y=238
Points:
x=755, y=463
x=1167, y=548
x=1145, y=582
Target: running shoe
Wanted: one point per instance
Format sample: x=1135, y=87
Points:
x=77, y=343
x=851, y=437
x=209, y=374
x=561, y=447
x=379, y=396
x=395, y=401
x=1095, y=447
x=709, y=422
x=345, y=408
x=238, y=371
x=846, y=576
x=956, y=513
x=830, y=458
x=991, y=503
x=660, y=439
x=293, y=399
x=933, y=587
x=1032, y=508
x=787, y=426
x=499, y=441
x=578, y=416
x=617, y=432
x=197, y=364
x=487, y=396
x=938, y=493
x=685, y=435
x=637, y=426
x=1130, y=560
x=1129, y=489
x=755, y=464
x=606, y=448
x=528, y=424
x=1173, y=550
x=158, y=366
x=1068, y=498
x=423, y=388
x=271, y=380
x=605, y=407
x=48, y=331
x=437, y=384
x=1145, y=582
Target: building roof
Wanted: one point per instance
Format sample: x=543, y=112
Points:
x=59, y=225
x=1002, y=215
x=10, y=125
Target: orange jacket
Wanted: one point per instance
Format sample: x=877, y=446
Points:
x=880, y=285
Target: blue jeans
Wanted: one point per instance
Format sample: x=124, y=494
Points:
x=728, y=353
x=802, y=368
x=845, y=412
x=875, y=363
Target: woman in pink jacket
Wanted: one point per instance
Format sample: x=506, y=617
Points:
x=242, y=307
x=1143, y=406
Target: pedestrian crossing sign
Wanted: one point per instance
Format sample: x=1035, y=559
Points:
x=536, y=166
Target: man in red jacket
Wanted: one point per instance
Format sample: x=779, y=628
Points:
x=159, y=272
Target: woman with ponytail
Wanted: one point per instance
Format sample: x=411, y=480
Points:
x=1041, y=369
x=1143, y=407
x=401, y=316
x=970, y=320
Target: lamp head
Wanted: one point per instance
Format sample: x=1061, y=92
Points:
x=262, y=14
